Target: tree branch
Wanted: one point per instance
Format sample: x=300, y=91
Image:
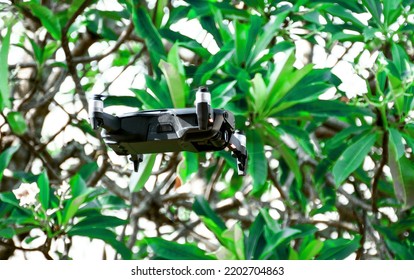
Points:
x=275, y=182
x=122, y=38
x=379, y=171
x=68, y=54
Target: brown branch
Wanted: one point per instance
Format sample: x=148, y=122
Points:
x=336, y=224
x=46, y=98
x=102, y=170
x=48, y=162
x=362, y=231
x=275, y=182
x=381, y=247
x=43, y=248
x=69, y=58
x=379, y=171
x=170, y=165
x=122, y=38
x=330, y=182
x=53, y=137
x=347, y=49
x=217, y=174
x=113, y=188
x=132, y=62
x=125, y=35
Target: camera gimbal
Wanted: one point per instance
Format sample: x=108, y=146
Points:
x=196, y=129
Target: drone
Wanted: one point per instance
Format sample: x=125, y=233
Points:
x=199, y=129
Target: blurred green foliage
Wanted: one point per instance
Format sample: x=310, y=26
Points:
x=311, y=154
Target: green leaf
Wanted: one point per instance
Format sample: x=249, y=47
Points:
x=174, y=251
x=10, y=198
x=146, y=30
x=280, y=47
x=287, y=154
x=257, y=163
x=202, y=208
x=209, y=24
x=255, y=3
x=255, y=238
x=339, y=249
x=187, y=166
x=49, y=19
x=4, y=71
x=207, y=69
x=345, y=37
x=397, y=140
x=17, y=123
x=88, y=169
x=306, y=230
x=341, y=12
x=175, y=76
x=77, y=185
x=241, y=30
x=138, y=179
x=234, y=241
x=37, y=51
x=293, y=254
x=352, y=157
x=401, y=252
x=72, y=206
x=400, y=59
x=311, y=250
x=396, y=168
x=99, y=221
x=407, y=169
x=282, y=80
x=392, y=9
x=271, y=223
x=159, y=13
x=255, y=26
x=375, y=9
x=341, y=137
x=301, y=136
x=223, y=94
x=322, y=108
x=160, y=88
x=5, y=158
x=292, y=161
x=11, y=232
x=7, y=233
x=273, y=240
x=258, y=93
x=214, y=228
x=44, y=187
x=105, y=235
x=149, y=100
x=402, y=170
x=264, y=39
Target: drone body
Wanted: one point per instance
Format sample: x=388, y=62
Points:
x=199, y=129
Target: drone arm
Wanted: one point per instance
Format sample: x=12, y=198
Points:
x=101, y=119
x=237, y=144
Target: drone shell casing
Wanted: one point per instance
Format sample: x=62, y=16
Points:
x=169, y=130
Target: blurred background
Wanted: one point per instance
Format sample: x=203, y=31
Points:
x=322, y=89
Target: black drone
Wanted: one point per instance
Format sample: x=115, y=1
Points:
x=198, y=129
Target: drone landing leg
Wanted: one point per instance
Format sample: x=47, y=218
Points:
x=136, y=160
